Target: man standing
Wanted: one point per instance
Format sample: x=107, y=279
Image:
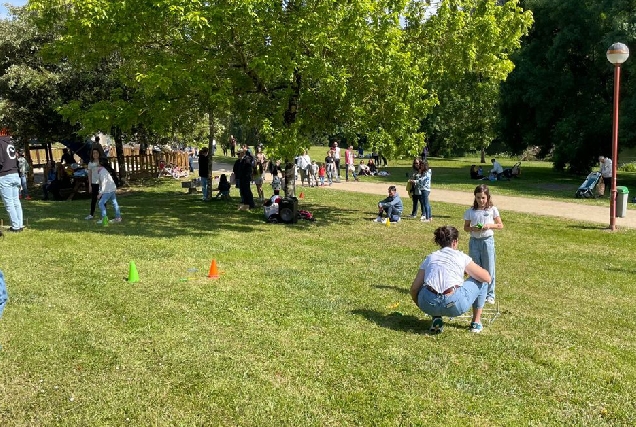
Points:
x=606, y=173
x=10, y=183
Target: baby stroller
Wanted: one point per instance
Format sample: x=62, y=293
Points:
x=512, y=172
x=586, y=190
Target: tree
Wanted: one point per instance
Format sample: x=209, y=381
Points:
x=559, y=97
x=466, y=45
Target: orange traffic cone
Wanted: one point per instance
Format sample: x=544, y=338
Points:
x=214, y=272
x=302, y=195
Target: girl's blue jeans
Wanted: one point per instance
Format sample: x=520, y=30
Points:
x=426, y=204
x=482, y=251
x=104, y=199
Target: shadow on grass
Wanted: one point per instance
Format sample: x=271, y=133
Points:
x=171, y=213
x=393, y=288
x=396, y=321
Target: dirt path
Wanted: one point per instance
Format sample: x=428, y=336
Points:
x=595, y=214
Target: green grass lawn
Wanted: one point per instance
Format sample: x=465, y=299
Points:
x=309, y=324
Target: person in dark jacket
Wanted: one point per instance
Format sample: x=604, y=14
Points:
x=244, y=178
x=10, y=183
x=204, y=172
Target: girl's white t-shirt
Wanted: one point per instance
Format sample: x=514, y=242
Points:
x=445, y=268
x=92, y=169
x=481, y=216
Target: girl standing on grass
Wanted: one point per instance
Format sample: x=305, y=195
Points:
x=480, y=221
x=107, y=190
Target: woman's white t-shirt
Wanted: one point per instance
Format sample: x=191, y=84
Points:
x=481, y=216
x=92, y=169
x=445, y=268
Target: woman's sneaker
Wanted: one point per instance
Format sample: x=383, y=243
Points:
x=490, y=300
x=437, y=326
x=475, y=327
x=379, y=219
x=89, y=217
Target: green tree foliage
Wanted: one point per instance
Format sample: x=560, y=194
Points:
x=559, y=97
x=466, y=46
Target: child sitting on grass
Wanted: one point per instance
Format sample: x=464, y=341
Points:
x=224, y=188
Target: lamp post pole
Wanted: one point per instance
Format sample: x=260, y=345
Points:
x=616, y=54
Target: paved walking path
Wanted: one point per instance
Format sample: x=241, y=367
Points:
x=577, y=211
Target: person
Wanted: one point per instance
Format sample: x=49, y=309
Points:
x=313, y=173
x=373, y=169
x=439, y=288
x=496, y=170
x=232, y=144
x=606, y=173
x=480, y=220
x=4, y=296
x=476, y=173
x=10, y=183
x=244, y=176
x=363, y=169
x=349, y=164
x=423, y=183
x=277, y=185
x=51, y=177
x=331, y=166
x=391, y=206
x=191, y=161
x=204, y=172
x=93, y=180
x=336, y=160
x=23, y=170
x=67, y=157
x=107, y=191
x=258, y=172
x=375, y=156
x=304, y=164
x=415, y=189
x=322, y=172
x=224, y=188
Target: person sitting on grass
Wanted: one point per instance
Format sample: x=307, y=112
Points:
x=439, y=288
x=224, y=188
x=391, y=206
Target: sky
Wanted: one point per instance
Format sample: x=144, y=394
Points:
x=3, y=10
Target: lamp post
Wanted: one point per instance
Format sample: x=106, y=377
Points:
x=616, y=54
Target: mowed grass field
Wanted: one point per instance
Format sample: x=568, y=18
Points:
x=309, y=324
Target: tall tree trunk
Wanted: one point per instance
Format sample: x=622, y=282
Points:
x=212, y=129
x=119, y=151
x=290, y=180
x=483, y=155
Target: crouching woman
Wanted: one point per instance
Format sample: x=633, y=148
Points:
x=439, y=288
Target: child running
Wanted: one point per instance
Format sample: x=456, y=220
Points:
x=480, y=221
x=107, y=190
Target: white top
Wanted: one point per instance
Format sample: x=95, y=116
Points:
x=481, y=216
x=496, y=167
x=106, y=183
x=92, y=171
x=304, y=161
x=336, y=153
x=606, y=168
x=445, y=268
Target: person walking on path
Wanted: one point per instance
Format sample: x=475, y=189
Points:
x=439, y=288
x=10, y=183
x=480, y=220
x=93, y=181
x=336, y=160
x=606, y=173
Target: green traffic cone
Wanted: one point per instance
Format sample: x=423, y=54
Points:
x=133, y=276
x=105, y=221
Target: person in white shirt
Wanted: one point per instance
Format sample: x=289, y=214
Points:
x=497, y=169
x=336, y=159
x=606, y=172
x=107, y=190
x=439, y=288
x=304, y=167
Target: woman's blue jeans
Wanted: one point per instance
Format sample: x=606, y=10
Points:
x=426, y=204
x=455, y=304
x=482, y=251
x=10, y=192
